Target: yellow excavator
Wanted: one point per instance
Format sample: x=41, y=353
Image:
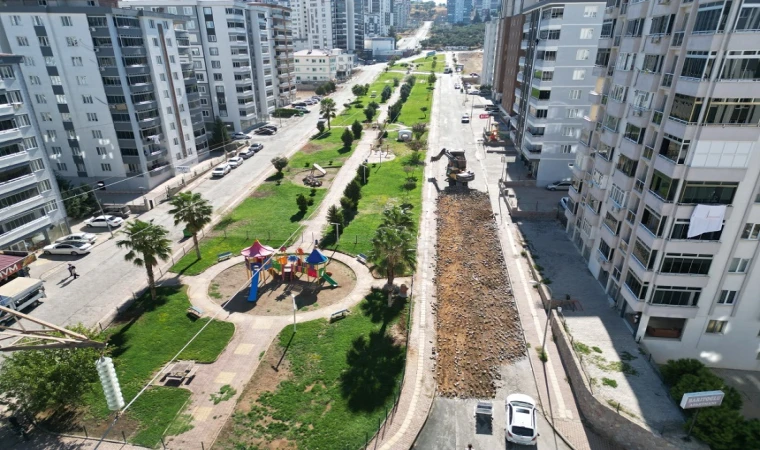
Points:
x=456, y=171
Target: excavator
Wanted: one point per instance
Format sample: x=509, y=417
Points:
x=456, y=171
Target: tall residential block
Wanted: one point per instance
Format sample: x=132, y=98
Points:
x=31, y=210
x=665, y=204
x=551, y=101
x=458, y=11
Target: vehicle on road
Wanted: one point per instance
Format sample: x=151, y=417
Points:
x=270, y=126
x=264, y=131
x=456, y=170
x=474, y=92
x=465, y=118
x=457, y=86
x=246, y=153
x=104, y=221
x=86, y=238
x=473, y=74
x=563, y=203
x=303, y=109
x=221, y=170
x=373, y=94
x=67, y=248
x=561, y=185
x=118, y=210
x=256, y=147
x=522, y=426
x=310, y=101
x=235, y=162
x=237, y=136
x=19, y=294
x=296, y=104
x=317, y=97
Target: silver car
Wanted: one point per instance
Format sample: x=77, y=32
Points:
x=563, y=185
x=67, y=248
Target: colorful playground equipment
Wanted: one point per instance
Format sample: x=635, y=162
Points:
x=262, y=262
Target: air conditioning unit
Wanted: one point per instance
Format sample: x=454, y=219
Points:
x=102, y=69
x=96, y=50
x=656, y=39
x=93, y=29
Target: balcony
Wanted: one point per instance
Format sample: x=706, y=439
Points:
x=154, y=152
x=19, y=232
x=8, y=109
x=159, y=170
x=630, y=149
x=658, y=204
x=532, y=149
x=597, y=98
x=623, y=181
x=601, y=164
x=634, y=303
x=10, y=134
x=17, y=183
x=23, y=206
x=521, y=61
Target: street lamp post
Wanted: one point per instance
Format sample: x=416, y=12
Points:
x=293, y=296
x=337, y=233
x=103, y=214
x=548, y=319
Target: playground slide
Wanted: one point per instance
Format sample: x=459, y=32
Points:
x=253, y=294
x=329, y=280
x=320, y=169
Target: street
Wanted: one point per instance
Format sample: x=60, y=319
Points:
x=410, y=43
x=106, y=280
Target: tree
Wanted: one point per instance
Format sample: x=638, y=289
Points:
x=385, y=94
x=348, y=137
x=416, y=146
x=353, y=191
x=396, y=81
x=280, y=163
x=79, y=201
x=476, y=19
x=302, y=202
x=392, y=251
x=195, y=211
x=363, y=173
x=434, y=63
x=320, y=127
x=147, y=245
x=431, y=78
x=394, y=110
x=334, y=215
x=415, y=158
x=41, y=380
x=221, y=135
x=369, y=113
x=404, y=92
x=411, y=80
x=357, y=128
x=374, y=105
x=418, y=129
x=424, y=110
x=319, y=90
x=358, y=90
x=327, y=109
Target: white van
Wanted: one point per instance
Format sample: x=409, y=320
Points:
x=20, y=293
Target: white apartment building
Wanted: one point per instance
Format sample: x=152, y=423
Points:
x=665, y=201
x=401, y=11
x=317, y=66
x=112, y=98
x=560, y=44
x=31, y=210
x=328, y=24
x=490, y=44
x=378, y=17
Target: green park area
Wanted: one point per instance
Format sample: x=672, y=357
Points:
x=333, y=385
x=426, y=64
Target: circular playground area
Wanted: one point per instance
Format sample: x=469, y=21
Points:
x=314, y=286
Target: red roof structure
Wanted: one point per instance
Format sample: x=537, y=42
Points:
x=257, y=250
x=10, y=264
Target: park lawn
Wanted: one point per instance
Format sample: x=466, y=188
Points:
x=144, y=345
x=343, y=378
x=269, y=215
x=420, y=96
x=426, y=64
x=321, y=149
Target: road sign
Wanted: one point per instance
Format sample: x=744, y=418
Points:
x=484, y=116
x=701, y=399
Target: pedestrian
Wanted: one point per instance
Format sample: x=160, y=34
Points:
x=73, y=271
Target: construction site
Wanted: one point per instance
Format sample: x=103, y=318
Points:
x=477, y=322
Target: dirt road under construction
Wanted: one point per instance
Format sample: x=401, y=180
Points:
x=477, y=322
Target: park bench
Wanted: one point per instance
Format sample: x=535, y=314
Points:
x=338, y=315
x=195, y=311
x=223, y=256
x=362, y=258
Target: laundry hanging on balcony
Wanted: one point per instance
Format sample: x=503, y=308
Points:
x=706, y=219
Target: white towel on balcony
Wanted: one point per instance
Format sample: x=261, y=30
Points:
x=706, y=219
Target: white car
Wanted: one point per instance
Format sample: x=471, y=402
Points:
x=256, y=147
x=237, y=136
x=457, y=86
x=302, y=109
x=562, y=185
x=465, y=118
x=473, y=92
x=235, y=162
x=67, y=248
x=86, y=238
x=104, y=221
x=522, y=426
x=221, y=170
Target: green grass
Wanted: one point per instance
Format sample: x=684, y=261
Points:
x=426, y=64
x=270, y=215
x=343, y=377
x=144, y=345
x=419, y=97
x=347, y=117
x=609, y=382
x=321, y=150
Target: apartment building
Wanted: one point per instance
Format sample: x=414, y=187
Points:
x=378, y=17
x=458, y=11
x=560, y=44
x=319, y=66
x=401, y=11
x=328, y=24
x=112, y=97
x=492, y=31
x=507, y=56
x=348, y=25
x=31, y=210
x=665, y=204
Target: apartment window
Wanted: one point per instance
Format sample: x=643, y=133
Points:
x=162, y=76
x=213, y=51
x=676, y=296
x=60, y=99
x=76, y=61
x=155, y=42
x=587, y=33
x=171, y=59
x=81, y=80
x=216, y=64
x=739, y=265
x=101, y=151
x=607, y=27
x=43, y=41
x=749, y=17
x=61, y=166
x=605, y=250
x=579, y=74
x=206, y=113
x=105, y=167
x=22, y=120
x=711, y=17
x=55, y=80
x=652, y=63
x=643, y=254
x=40, y=98
x=708, y=192
x=22, y=41
x=574, y=94
x=37, y=21
x=187, y=10
x=30, y=143
x=34, y=80
x=570, y=131
x=634, y=27
x=612, y=224
x=551, y=35
x=636, y=286
x=211, y=38
x=686, y=263
x=16, y=21
x=87, y=99
x=92, y=117
x=97, y=134
x=66, y=21
x=627, y=165
x=611, y=123
x=28, y=61
x=175, y=75
x=653, y=222
x=716, y=326
x=662, y=25
x=217, y=77
x=744, y=111
x=727, y=297
x=680, y=231
x=582, y=54
x=566, y=149
x=166, y=94
x=625, y=61
x=741, y=68
x=71, y=41
x=590, y=11
x=751, y=231
x=46, y=117
x=36, y=165
x=642, y=99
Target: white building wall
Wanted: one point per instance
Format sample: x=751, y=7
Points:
x=489, y=51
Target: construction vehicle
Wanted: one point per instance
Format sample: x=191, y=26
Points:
x=456, y=171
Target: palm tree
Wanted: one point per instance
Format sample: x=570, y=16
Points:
x=147, y=244
x=195, y=211
x=392, y=252
x=327, y=109
x=397, y=217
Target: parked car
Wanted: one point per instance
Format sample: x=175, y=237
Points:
x=67, y=248
x=237, y=136
x=563, y=203
x=522, y=426
x=473, y=74
x=117, y=210
x=465, y=118
x=270, y=126
x=246, y=153
x=221, y=170
x=562, y=185
x=85, y=238
x=457, y=86
x=373, y=94
x=298, y=104
x=317, y=97
x=235, y=162
x=474, y=92
x=264, y=131
x=303, y=109
x=104, y=221
x=256, y=147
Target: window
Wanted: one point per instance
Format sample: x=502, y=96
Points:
x=575, y=113
x=187, y=10
x=30, y=143
x=676, y=296
x=652, y=63
x=579, y=74
x=28, y=61
x=55, y=80
x=627, y=165
x=22, y=41
x=76, y=61
x=634, y=27
x=716, y=326
x=34, y=79
x=663, y=186
x=101, y=151
x=662, y=25
x=43, y=41
x=155, y=42
x=72, y=41
x=22, y=120
x=711, y=17
x=727, y=297
x=61, y=166
x=37, y=20
x=16, y=21
x=81, y=80
x=162, y=76
x=574, y=94
x=87, y=99
x=587, y=33
x=570, y=131
x=213, y=51
x=605, y=250
x=680, y=231
x=36, y=166
x=582, y=54
x=635, y=285
x=751, y=231
x=97, y=134
x=92, y=117
x=708, y=192
x=205, y=113
x=686, y=263
x=643, y=254
x=551, y=35
x=749, y=17
x=46, y=117
x=60, y=99
x=105, y=167
x=634, y=133
x=590, y=11
x=40, y=98
x=66, y=21
x=217, y=77
x=739, y=265
x=216, y=64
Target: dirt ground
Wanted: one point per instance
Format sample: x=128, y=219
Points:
x=476, y=318
x=296, y=176
x=274, y=295
x=473, y=61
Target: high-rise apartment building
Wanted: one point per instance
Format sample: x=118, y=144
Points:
x=560, y=42
x=115, y=98
x=328, y=24
x=665, y=204
x=458, y=11
x=401, y=11
x=31, y=211
x=378, y=17
x=348, y=25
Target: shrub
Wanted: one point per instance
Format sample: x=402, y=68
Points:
x=673, y=370
x=302, y=202
x=347, y=204
x=353, y=191
x=285, y=112
x=347, y=137
x=321, y=127
x=356, y=128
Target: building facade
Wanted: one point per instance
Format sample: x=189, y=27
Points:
x=401, y=11
x=31, y=210
x=378, y=17
x=551, y=84
x=492, y=31
x=664, y=205
x=348, y=25
x=458, y=11
x=319, y=66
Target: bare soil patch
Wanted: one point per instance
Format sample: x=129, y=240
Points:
x=274, y=295
x=473, y=62
x=258, y=193
x=296, y=177
x=477, y=322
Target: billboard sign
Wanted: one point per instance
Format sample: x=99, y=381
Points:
x=701, y=399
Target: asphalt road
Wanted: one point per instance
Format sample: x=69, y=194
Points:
x=107, y=280
x=412, y=42
x=451, y=424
